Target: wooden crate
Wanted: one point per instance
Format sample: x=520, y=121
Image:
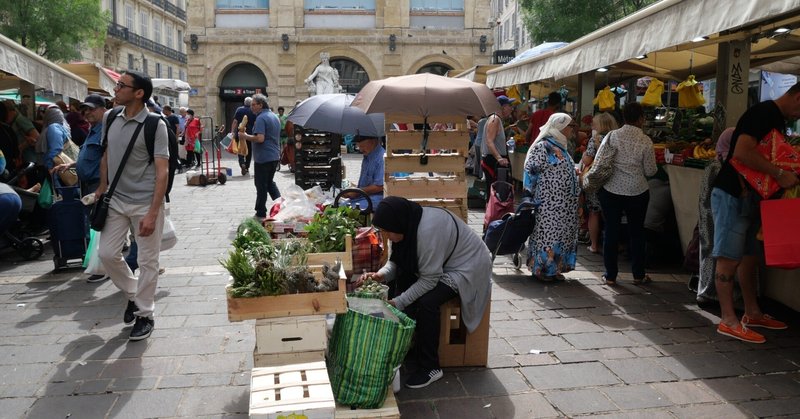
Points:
x=389, y=410
x=317, y=259
x=457, y=348
x=291, y=334
x=457, y=141
x=289, y=305
x=446, y=187
x=286, y=358
x=298, y=389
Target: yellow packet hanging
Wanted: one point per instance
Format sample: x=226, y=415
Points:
x=652, y=97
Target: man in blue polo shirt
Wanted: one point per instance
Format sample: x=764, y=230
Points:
x=265, y=143
x=372, y=168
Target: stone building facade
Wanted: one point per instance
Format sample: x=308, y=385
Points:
x=240, y=47
x=147, y=36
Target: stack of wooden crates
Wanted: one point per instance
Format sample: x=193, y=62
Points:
x=442, y=181
x=319, y=162
x=289, y=375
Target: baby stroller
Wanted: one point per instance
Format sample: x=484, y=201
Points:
x=501, y=202
x=29, y=248
x=507, y=236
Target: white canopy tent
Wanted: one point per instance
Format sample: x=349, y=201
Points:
x=19, y=63
x=171, y=84
x=668, y=28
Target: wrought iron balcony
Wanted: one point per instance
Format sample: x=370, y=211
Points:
x=170, y=8
x=121, y=32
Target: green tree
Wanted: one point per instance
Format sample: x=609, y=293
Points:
x=566, y=21
x=55, y=29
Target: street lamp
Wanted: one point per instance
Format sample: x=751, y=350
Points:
x=482, y=46
x=285, y=40
x=392, y=42
x=193, y=42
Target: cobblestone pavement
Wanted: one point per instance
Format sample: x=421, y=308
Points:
x=562, y=349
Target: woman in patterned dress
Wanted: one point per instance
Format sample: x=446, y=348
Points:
x=552, y=248
x=601, y=125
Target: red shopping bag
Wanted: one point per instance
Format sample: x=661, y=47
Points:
x=780, y=153
x=781, y=226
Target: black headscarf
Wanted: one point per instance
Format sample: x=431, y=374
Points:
x=399, y=215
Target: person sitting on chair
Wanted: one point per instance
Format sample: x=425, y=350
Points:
x=427, y=270
x=372, y=169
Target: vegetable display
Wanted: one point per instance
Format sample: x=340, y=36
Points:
x=327, y=230
x=260, y=266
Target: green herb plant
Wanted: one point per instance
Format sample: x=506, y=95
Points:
x=327, y=230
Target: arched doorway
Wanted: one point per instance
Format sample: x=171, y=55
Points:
x=240, y=81
x=435, y=68
x=352, y=77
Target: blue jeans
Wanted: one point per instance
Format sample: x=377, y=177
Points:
x=133, y=254
x=635, y=208
x=736, y=224
x=10, y=205
x=263, y=177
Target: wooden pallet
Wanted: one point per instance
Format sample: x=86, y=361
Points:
x=389, y=410
x=298, y=389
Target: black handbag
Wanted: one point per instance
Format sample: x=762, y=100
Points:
x=99, y=212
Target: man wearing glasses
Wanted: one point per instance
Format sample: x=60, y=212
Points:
x=137, y=200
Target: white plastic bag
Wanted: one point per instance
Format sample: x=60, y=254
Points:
x=296, y=206
x=168, y=237
x=93, y=264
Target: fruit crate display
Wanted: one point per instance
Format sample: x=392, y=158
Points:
x=432, y=177
x=318, y=161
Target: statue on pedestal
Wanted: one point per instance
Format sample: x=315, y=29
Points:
x=324, y=79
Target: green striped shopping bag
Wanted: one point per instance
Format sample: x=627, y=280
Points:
x=367, y=343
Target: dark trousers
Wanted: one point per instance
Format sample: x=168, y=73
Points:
x=245, y=160
x=635, y=208
x=426, y=313
x=263, y=176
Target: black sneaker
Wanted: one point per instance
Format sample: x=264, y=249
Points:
x=129, y=318
x=96, y=278
x=142, y=329
x=423, y=378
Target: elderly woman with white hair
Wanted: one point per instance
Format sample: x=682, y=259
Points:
x=553, y=246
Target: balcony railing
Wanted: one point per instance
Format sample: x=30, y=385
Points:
x=121, y=32
x=170, y=8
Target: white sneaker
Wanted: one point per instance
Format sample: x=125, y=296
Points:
x=422, y=379
x=97, y=278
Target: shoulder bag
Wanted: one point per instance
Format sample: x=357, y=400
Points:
x=602, y=166
x=97, y=217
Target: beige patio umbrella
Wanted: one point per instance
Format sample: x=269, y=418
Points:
x=432, y=97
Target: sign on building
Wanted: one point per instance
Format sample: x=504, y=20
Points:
x=502, y=56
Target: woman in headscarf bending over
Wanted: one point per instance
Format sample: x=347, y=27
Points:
x=553, y=246
x=435, y=257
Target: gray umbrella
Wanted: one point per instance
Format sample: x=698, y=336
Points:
x=333, y=113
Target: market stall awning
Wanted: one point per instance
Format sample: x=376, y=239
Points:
x=476, y=73
x=101, y=80
x=171, y=84
x=667, y=27
x=18, y=61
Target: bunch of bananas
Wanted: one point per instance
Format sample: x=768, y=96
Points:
x=703, y=152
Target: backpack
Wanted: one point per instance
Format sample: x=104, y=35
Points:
x=150, y=126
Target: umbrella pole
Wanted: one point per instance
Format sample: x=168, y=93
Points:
x=423, y=158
